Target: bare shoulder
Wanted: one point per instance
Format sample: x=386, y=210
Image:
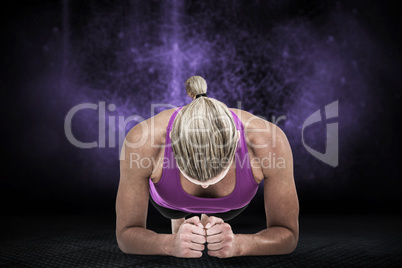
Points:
x=263, y=137
x=148, y=137
x=258, y=128
x=250, y=120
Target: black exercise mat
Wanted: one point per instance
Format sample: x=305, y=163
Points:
x=77, y=241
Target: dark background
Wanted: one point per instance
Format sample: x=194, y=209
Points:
x=276, y=57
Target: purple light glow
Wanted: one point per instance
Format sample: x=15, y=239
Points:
x=135, y=54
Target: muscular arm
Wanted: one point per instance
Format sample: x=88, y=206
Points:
x=131, y=210
x=132, y=200
x=132, y=204
x=280, y=200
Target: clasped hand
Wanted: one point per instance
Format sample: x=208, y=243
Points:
x=189, y=241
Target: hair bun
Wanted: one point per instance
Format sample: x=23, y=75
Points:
x=196, y=85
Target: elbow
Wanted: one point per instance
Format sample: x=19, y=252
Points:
x=284, y=243
x=293, y=245
x=120, y=241
x=288, y=242
x=122, y=247
x=293, y=241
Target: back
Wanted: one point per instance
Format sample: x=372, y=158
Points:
x=168, y=191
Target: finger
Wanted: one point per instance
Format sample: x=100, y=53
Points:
x=195, y=220
x=224, y=228
x=199, y=239
x=196, y=246
x=212, y=221
x=214, y=253
x=196, y=230
x=214, y=230
x=215, y=247
x=190, y=253
x=214, y=238
x=195, y=254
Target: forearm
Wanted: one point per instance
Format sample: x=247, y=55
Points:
x=138, y=240
x=270, y=241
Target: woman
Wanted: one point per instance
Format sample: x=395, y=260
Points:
x=207, y=159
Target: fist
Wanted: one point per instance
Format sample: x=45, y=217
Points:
x=189, y=240
x=220, y=238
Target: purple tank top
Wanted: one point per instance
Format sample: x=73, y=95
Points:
x=168, y=192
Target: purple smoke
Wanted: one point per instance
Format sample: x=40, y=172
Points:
x=134, y=54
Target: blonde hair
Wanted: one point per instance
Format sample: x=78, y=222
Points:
x=204, y=134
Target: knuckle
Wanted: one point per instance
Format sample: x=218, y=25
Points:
x=229, y=237
x=213, y=218
x=226, y=227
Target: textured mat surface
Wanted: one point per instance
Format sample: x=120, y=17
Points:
x=78, y=241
